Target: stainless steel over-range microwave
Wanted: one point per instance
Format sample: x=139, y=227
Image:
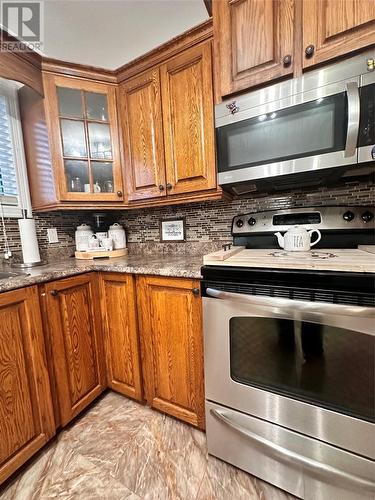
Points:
x=300, y=131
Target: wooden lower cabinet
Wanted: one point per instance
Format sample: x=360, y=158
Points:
x=99, y=330
x=75, y=335
x=26, y=411
x=170, y=314
x=122, y=354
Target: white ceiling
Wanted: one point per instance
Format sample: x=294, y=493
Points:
x=110, y=33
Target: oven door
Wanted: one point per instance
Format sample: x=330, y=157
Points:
x=304, y=132
x=302, y=365
x=366, y=137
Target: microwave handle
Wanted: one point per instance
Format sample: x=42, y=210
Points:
x=295, y=305
x=352, y=94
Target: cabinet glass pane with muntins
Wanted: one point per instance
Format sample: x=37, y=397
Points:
x=77, y=176
x=85, y=134
x=102, y=177
x=70, y=102
x=100, y=141
x=73, y=138
x=96, y=106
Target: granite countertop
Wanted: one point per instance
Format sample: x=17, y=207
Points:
x=183, y=266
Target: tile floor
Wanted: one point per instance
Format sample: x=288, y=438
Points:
x=120, y=449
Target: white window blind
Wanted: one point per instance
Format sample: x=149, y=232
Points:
x=14, y=187
x=8, y=176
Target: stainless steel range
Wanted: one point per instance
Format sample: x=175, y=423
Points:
x=289, y=353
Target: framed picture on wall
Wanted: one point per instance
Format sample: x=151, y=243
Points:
x=172, y=229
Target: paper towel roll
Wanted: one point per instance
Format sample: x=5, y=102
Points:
x=29, y=242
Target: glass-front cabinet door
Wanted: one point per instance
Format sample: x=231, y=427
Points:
x=85, y=149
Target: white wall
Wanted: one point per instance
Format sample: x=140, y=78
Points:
x=109, y=33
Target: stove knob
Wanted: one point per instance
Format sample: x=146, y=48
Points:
x=367, y=216
x=239, y=222
x=348, y=216
x=251, y=221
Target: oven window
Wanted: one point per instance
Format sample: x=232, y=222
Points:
x=327, y=366
x=308, y=129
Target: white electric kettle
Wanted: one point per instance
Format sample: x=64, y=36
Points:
x=297, y=239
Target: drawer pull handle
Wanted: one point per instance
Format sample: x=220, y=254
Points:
x=290, y=456
x=195, y=291
x=54, y=293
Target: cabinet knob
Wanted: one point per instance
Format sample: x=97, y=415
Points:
x=161, y=187
x=169, y=186
x=309, y=50
x=195, y=291
x=54, y=293
x=287, y=60
x=119, y=194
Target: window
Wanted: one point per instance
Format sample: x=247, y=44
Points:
x=14, y=189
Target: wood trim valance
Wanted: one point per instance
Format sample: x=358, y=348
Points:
x=24, y=67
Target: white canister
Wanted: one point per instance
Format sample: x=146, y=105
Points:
x=118, y=236
x=82, y=237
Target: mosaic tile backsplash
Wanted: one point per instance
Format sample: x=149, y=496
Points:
x=207, y=223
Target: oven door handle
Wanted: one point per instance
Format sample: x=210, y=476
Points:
x=291, y=456
x=352, y=94
x=294, y=306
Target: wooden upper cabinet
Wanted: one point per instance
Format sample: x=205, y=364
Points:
x=188, y=121
x=74, y=324
x=333, y=28
x=121, y=333
x=170, y=311
x=141, y=115
x=84, y=139
x=168, y=128
x=26, y=411
x=254, y=41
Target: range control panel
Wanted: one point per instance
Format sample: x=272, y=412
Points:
x=324, y=218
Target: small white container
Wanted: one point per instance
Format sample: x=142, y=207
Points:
x=107, y=244
x=82, y=237
x=94, y=243
x=101, y=235
x=117, y=234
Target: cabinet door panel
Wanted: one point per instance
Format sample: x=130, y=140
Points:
x=143, y=136
x=188, y=121
x=74, y=324
x=171, y=335
x=337, y=27
x=26, y=412
x=95, y=136
x=254, y=37
x=121, y=334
